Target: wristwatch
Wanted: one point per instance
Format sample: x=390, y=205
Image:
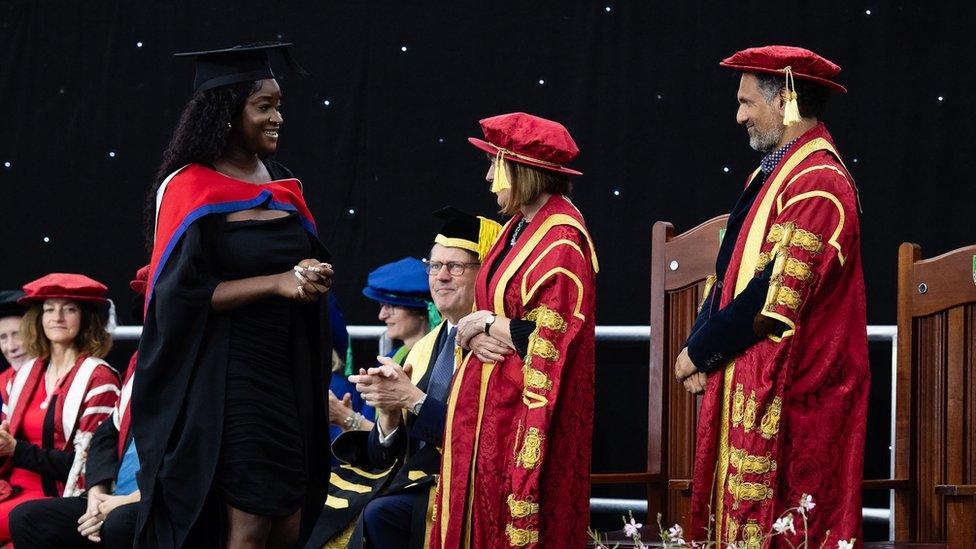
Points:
x=415, y=408
x=488, y=322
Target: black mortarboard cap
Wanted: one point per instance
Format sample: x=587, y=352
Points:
x=232, y=65
x=9, y=305
x=463, y=230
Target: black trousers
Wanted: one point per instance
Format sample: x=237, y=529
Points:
x=387, y=520
x=53, y=523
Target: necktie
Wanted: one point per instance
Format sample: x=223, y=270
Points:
x=440, y=378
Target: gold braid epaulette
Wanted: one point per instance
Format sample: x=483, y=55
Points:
x=547, y=318
x=520, y=508
x=520, y=537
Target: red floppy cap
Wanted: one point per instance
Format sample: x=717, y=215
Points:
x=72, y=286
x=529, y=140
x=138, y=285
x=804, y=64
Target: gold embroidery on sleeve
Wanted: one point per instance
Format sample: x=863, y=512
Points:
x=770, y=420
x=806, y=240
x=534, y=379
x=547, y=318
x=543, y=348
x=753, y=465
x=787, y=297
x=748, y=491
x=531, y=452
x=520, y=537
x=749, y=417
x=738, y=399
x=752, y=535
x=764, y=259
x=732, y=530
x=520, y=508
x=798, y=269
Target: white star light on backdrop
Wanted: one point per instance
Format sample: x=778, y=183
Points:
x=7, y=164
x=725, y=169
x=867, y=12
x=403, y=48
x=138, y=44
x=46, y=239
x=352, y=211
x=111, y=154
x=940, y=98
x=616, y=192
x=327, y=103
x=542, y=82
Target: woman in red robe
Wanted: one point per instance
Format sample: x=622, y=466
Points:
x=55, y=402
x=516, y=453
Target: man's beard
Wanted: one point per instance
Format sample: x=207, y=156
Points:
x=765, y=142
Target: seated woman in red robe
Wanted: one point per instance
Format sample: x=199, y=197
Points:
x=57, y=400
x=516, y=461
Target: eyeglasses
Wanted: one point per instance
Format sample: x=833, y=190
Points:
x=455, y=268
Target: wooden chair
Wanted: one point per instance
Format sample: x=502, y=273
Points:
x=679, y=265
x=936, y=387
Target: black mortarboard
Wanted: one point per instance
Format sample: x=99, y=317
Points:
x=463, y=230
x=232, y=65
x=9, y=305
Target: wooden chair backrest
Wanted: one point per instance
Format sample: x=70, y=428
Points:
x=679, y=266
x=935, y=426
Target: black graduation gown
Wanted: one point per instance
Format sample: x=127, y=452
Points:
x=178, y=395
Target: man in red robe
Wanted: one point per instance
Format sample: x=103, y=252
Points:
x=780, y=344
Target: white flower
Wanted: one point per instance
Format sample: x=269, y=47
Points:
x=806, y=502
x=845, y=544
x=632, y=528
x=675, y=533
x=784, y=524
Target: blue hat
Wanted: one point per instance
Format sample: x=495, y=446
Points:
x=402, y=282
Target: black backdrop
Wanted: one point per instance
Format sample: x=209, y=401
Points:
x=637, y=84
x=89, y=94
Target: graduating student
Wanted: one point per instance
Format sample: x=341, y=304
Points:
x=228, y=404
x=54, y=403
x=517, y=443
x=106, y=513
x=400, y=458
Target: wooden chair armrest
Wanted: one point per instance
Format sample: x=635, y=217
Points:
x=680, y=484
x=956, y=489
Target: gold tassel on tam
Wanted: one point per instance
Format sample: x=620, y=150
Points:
x=792, y=114
x=500, y=183
x=488, y=232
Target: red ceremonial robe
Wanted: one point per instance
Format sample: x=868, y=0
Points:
x=516, y=462
x=787, y=417
x=83, y=399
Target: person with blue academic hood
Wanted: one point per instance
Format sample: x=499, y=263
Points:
x=406, y=308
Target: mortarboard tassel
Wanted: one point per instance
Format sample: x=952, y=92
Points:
x=500, y=183
x=488, y=232
x=792, y=110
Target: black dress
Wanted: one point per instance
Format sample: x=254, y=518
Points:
x=261, y=466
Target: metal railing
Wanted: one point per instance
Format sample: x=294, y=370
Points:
x=643, y=333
